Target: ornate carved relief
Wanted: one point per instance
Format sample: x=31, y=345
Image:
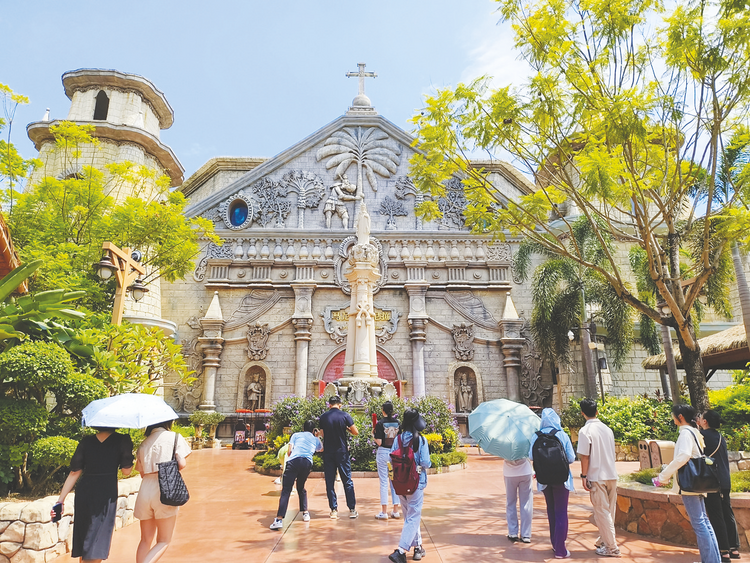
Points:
x=466, y=389
x=252, y=306
x=336, y=322
x=212, y=251
x=309, y=189
x=237, y=211
x=533, y=390
x=499, y=252
x=341, y=260
x=272, y=205
x=463, y=341
x=187, y=397
x=341, y=192
x=404, y=188
x=359, y=391
x=452, y=205
x=370, y=148
x=257, y=341
x=472, y=308
x=392, y=208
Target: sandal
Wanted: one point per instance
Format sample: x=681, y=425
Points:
x=734, y=553
x=725, y=557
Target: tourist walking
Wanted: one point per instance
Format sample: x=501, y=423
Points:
x=335, y=425
x=411, y=535
x=385, y=432
x=518, y=475
x=157, y=520
x=689, y=444
x=596, y=450
x=550, y=457
x=302, y=446
x=718, y=505
x=96, y=461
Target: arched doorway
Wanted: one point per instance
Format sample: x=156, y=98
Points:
x=335, y=368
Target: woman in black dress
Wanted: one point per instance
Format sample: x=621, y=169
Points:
x=98, y=458
x=718, y=506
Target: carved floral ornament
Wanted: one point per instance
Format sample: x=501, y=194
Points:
x=342, y=258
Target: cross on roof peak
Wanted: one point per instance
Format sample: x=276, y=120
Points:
x=361, y=102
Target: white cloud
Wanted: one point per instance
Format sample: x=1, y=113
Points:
x=492, y=53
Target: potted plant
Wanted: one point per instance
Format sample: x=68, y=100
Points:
x=212, y=421
x=199, y=419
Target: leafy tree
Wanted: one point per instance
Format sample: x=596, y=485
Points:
x=12, y=166
x=563, y=288
x=65, y=221
x=620, y=119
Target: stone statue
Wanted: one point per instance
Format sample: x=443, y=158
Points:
x=254, y=393
x=464, y=395
x=341, y=192
x=363, y=225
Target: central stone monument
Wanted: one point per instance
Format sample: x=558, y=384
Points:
x=360, y=377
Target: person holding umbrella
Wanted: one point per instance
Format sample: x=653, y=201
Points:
x=96, y=461
x=157, y=520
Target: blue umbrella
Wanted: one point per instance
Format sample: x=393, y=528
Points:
x=504, y=428
x=130, y=410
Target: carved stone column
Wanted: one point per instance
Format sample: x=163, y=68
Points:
x=211, y=343
x=418, y=320
x=302, y=320
x=512, y=346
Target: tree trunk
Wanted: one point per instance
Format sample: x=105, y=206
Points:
x=588, y=365
x=742, y=289
x=695, y=377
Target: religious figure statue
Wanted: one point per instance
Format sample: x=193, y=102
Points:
x=254, y=393
x=464, y=395
x=341, y=192
x=363, y=225
x=257, y=341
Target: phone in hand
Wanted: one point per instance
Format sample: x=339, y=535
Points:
x=57, y=509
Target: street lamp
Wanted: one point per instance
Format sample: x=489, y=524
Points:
x=125, y=267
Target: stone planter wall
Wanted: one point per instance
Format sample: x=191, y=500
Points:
x=626, y=452
x=27, y=534
x=659, y=513
x=739, y=461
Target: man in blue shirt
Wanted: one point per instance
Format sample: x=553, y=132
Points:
x=335, y=424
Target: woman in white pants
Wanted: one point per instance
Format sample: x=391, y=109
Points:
x=385, y=432
x=518, y=475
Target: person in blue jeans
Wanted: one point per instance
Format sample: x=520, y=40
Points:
x=411, y=535
x=385, y=432
x=336, y=424
x=556, y=496
x=302, y=446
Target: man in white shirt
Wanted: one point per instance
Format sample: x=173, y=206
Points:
x=596, y=450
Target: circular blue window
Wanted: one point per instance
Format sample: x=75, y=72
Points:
x=238, y=213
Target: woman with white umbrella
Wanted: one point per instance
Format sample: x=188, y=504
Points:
x=96, y=461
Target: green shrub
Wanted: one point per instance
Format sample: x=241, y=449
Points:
x=75, y=391
x=259, y=457
x=733, y=404
x=293, y=412
x=271, y=462
x=741, y=482
x=51, y=452
x=199, y=418
x=644, y=476
x=214, y=418
x=450, y=440
x=137, y=435
x=317, y=462
x=446, y=459
x=184, y=431
x=435, y=412
x=375, y=405
x=30, y=369
x=362, y=447
x=435, y=441
x=738, y=439
x=21, y=421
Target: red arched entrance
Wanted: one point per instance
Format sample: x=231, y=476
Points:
x=335, y=368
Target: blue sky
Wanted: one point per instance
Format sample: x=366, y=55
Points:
x=251, y=78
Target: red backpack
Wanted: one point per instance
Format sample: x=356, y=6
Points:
x=405, y=477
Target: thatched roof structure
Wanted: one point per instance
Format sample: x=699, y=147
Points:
x=724, y=350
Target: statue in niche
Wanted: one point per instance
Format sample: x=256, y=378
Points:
x=254, y=393
x=341, y=192
x=257, y=341
x=464, y=392
x=187, y=397
x=463, y=341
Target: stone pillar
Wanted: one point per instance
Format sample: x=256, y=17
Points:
x=302, y=320
x=211, y=343
x=418, y=320
x=512, y=346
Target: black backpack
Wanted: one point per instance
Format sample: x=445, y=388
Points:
x=550, y=461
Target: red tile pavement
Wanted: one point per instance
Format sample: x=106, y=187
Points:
x=231, y=508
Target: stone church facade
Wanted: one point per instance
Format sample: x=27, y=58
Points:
x=264, y=315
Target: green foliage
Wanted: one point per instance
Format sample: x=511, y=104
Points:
x=293, y=412
x=362, y=447
x=435, y=411
x=733, y=404
x=450, y=440
x=198, y=418
x=185, y=431
x=317, y=462
x=47, y=455
x=21, y=421
x=137, y=435
x=740, y=482
x=644, y=477
x=214, y=418
x=75, y=391
x=28, y=370
x=279, y=442
x=446, y=459
x=435, y=442
x=631, y=419
x=738, y=439
x=741, y=376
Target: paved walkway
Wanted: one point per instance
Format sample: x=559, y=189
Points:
x=231, y=508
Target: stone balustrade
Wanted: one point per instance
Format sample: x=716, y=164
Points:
x=659, y=513
x=27, y=534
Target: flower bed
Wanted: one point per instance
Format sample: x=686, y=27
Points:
x=27, y=533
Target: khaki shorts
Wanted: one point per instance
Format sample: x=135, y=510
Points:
x=148, y=505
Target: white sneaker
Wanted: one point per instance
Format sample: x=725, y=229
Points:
x=277, y=481
x=353, y=513
x=381, y=516
x=334, y=514
x=395, y=515
x=305, y=516
x=277, y=524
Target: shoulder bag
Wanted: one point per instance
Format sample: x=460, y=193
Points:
x=698, y=475
x=172, y=487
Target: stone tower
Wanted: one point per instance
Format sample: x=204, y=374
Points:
x=128, y=113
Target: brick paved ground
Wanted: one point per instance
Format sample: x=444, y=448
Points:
x=231, y=508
